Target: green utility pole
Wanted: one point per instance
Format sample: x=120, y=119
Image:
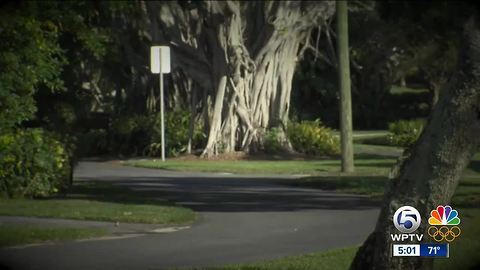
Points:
x=344, y=84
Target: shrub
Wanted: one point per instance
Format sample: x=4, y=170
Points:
x=176, y=134
x=33, y=163
x=404, y=132
x=137, y=134
x=271, y=141
x=312, y=138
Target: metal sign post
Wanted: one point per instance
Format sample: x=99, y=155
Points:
x=160, y=63
x=162, y=120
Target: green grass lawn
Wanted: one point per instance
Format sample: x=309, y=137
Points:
x=378, y=150
x=360, y=135
x=466, y=195
x=87, y=201
x=97, y=210
x=332, y=259
x=373, y=186
x=464, y=250
x=365, y=166
x=19, y=234
x=253, y=167
x=370, y=160
x=98, y=201
x=400, y=90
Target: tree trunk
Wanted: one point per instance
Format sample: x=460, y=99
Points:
x=191, y=126
x=344, y=85
x=428, y=174
x=435, y=86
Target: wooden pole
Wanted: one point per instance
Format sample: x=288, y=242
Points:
x=345, y=91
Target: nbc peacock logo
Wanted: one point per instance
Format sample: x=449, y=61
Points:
x=444, y=221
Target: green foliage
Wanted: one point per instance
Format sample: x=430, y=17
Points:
x=21, y=234
x=334, y=259
x=29, y=56
x=33, y=163
x=312, y=138
x=112, y=205
x=141, y=134
x=271, y=141
x=48, y=48
x=176, y=134
x=404, y=132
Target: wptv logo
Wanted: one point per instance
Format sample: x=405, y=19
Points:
x=443, y=223
x=407, y=219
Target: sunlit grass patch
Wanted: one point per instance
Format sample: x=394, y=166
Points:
x=19, y=234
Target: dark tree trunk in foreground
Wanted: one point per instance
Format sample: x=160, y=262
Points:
x=428, y=174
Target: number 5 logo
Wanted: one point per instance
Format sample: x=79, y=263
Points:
x=407, y=219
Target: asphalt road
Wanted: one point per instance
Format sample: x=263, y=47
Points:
x=241, y=219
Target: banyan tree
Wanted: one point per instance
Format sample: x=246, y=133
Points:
x=235, y=60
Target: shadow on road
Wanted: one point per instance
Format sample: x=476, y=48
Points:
x=218, y=194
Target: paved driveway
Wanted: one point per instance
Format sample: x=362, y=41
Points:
x=241, y=219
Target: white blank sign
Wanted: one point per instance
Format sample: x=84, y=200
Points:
x=160, y=59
